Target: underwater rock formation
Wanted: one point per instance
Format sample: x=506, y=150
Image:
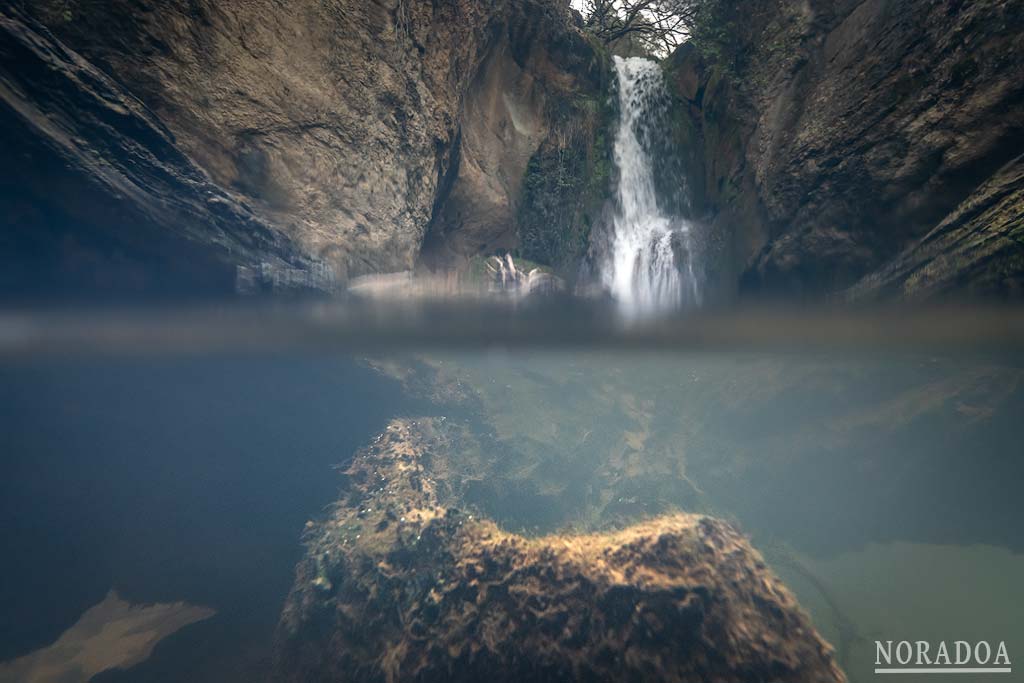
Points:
x=113, y=634
x=399, y=585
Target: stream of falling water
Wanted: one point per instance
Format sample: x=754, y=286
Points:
x=650, y=266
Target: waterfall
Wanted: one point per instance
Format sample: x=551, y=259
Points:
x=649, y=266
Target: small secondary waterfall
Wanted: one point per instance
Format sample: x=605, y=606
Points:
x=649, y=267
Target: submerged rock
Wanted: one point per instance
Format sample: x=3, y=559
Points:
x=399, y=585
x=113, y=634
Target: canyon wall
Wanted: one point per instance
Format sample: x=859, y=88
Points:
x=306, y=142
x=861, y=149
x=841, y=141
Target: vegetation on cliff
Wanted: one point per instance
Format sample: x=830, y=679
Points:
x=566, y=184
x=657, y=27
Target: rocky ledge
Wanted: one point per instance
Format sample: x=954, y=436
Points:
x=399, y=585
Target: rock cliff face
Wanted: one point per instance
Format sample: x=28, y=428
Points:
x=839, y=139
x=976, y=249
x=98, y=194
x=336, y=132
x=532, y=147
x=831, y=146
x=399, y=585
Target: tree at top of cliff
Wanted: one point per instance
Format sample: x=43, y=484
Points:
x=658, y=25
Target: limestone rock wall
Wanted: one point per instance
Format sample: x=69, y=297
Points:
x=346, y=130
x=836, y=135
x=532, y=135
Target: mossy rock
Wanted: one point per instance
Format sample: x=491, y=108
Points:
x=567, y=181
x=431, y=593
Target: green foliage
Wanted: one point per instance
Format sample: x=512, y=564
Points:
x=748, y=44
x=66, y=11
x=714, y=32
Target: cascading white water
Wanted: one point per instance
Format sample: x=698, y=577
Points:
x=650, y=266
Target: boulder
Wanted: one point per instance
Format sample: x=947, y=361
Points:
x=399, y=584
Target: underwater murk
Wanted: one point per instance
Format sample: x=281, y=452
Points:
x=182, y=516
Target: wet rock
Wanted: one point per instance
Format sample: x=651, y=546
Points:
x=531, y=134
x=975, y=250
x=835, y=136
x=308, y=143
x=442, y=595
x=104, y=195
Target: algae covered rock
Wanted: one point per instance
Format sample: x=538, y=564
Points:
x=399, y=585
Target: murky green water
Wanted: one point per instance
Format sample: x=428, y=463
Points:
x=883, y=488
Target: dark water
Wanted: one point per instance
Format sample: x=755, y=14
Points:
x=174, y=479
x=883, y=486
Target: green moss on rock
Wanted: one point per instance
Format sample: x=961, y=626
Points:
x=567, y=182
